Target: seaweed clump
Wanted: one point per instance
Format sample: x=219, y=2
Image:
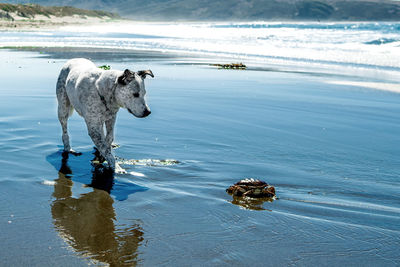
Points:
x=148, y=162
x=232, y=66
x=105, y=67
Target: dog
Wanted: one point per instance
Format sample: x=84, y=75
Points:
x=97, y=95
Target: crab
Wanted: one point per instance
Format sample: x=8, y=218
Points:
x=252, y=188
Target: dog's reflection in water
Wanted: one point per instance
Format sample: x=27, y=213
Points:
x=87, y=223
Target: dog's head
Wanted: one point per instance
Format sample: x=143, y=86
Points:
x=131, y=93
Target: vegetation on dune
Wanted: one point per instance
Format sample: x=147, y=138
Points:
x=32, y=10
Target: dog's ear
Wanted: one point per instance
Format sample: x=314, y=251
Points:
x=126, y=77
x=143, y=73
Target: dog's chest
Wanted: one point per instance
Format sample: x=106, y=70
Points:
x=101, y=110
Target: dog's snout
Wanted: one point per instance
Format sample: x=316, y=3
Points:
x=146, y=113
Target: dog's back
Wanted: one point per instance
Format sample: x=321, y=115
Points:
x=76, y=79
x=73, y=67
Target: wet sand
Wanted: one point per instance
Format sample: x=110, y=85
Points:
x=329, y=149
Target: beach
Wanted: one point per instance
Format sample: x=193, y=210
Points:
x=324, y=134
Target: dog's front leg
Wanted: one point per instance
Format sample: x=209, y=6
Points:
x=95, y=131
x=110, y=130
x=110, y=138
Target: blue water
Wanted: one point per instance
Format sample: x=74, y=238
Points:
x=330, y=150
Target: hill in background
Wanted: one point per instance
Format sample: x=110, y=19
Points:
x=237, y=10
x=32, y=10
x=35, y=16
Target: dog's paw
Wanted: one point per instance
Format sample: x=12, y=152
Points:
x=119, y=169
x=114, y=145
x=73, y=152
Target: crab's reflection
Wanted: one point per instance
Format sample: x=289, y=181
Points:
x=251, y=203
x=87, y=222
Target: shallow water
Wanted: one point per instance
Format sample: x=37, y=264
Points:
x=330, y=150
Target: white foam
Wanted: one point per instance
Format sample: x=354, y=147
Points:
x=138, y=174
x=48, y=182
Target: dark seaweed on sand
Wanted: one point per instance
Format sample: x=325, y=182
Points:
x=232, y=66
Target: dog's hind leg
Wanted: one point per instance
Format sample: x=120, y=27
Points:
x=65, y=108
x=64, y=111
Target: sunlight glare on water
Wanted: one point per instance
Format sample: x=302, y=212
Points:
x=367, y=45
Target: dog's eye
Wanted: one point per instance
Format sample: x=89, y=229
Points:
x=136, y=94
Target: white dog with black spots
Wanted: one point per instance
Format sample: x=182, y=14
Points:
x=97, y=95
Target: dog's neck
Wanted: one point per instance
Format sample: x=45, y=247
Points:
x=106, y=95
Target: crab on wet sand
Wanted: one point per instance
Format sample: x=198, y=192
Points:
x=252, y=188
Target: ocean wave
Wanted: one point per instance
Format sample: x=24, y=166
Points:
x=382, y=41
x=370, y=26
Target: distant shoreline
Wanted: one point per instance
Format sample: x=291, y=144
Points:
x=23, y=17
x=52, y=23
